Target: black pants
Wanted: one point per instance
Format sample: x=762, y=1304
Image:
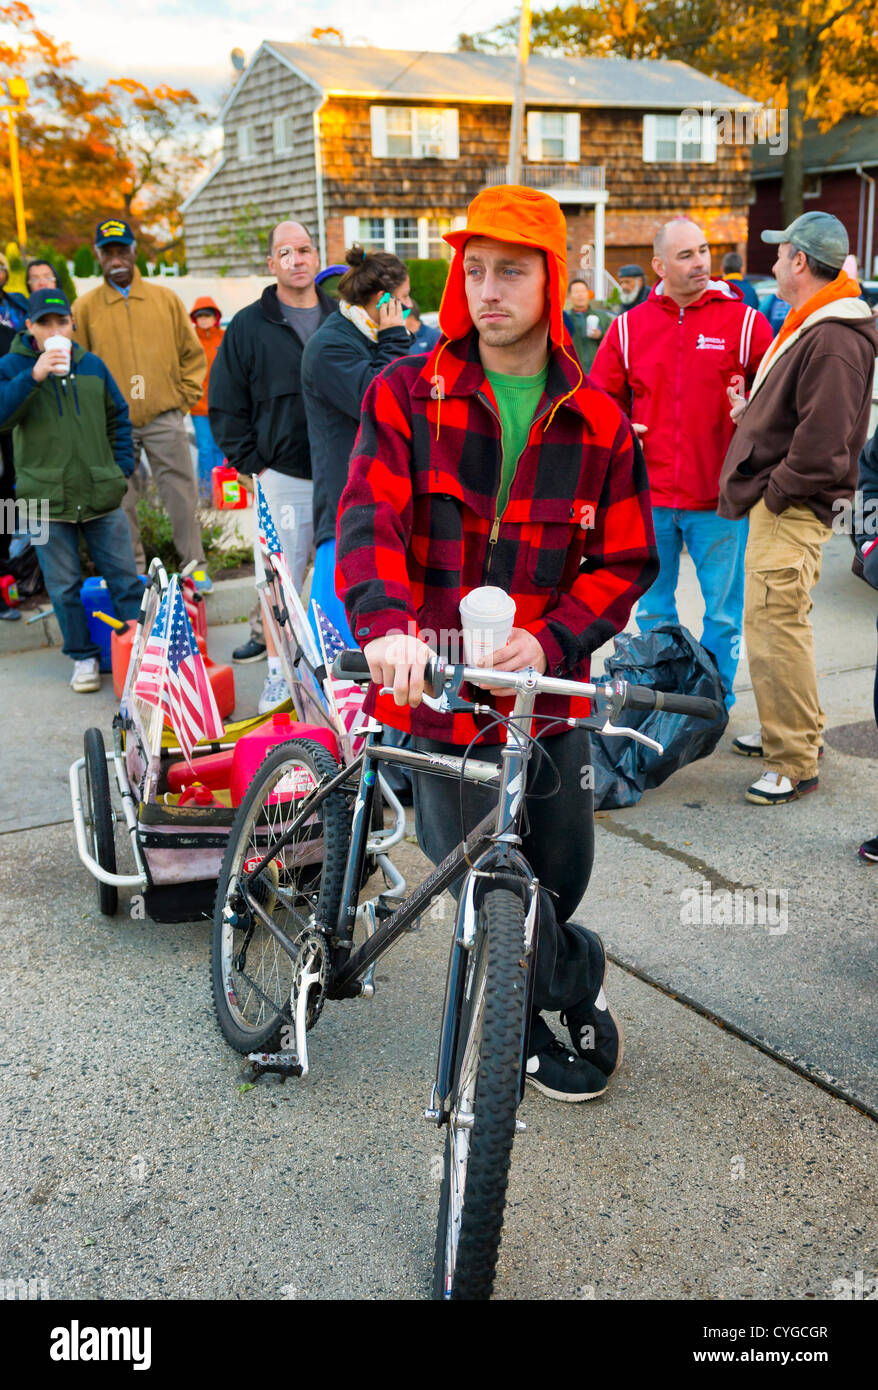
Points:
x=558, y=845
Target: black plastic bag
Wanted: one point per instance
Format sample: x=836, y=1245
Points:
x=25, y=570
x=667, y=658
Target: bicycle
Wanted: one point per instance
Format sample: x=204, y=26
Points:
x=287, y=906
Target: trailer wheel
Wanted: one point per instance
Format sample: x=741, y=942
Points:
x=99, y=818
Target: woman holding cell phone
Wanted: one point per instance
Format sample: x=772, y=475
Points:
x=345, y=354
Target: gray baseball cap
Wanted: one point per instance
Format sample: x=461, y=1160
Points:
x=818, y=234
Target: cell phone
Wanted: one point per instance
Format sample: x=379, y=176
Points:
x=386, y=298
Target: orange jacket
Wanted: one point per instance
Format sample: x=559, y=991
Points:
x=210, y=339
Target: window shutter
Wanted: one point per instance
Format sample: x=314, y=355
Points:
x=534, y=136
x=379, y=131
x=571, y=137
x=708, y=139
x=649, y=139
x=351, y=231
x=451, y=137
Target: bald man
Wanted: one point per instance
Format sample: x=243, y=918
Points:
x=257, y=413
x=670, y=363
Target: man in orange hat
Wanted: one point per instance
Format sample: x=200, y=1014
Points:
x=491, y=460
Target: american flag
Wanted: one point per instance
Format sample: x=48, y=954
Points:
x=346, y=696
x=173, y=678
x=270, y=544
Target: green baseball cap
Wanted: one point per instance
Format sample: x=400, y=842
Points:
x=818, y=234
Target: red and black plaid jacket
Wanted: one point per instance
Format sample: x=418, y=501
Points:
x=575, y=546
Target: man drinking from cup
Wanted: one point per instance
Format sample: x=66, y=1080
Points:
x=73, y=451
x=494, y=465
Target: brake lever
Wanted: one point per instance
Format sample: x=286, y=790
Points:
x=610, y=730
x=441, y=705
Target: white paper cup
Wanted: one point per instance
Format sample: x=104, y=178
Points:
x=486, y=616
x=592, y=323
x=58, y=340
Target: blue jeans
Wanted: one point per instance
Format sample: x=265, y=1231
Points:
x=323, y=590
x=210, y=455
x=109, y=544
x=717, y=548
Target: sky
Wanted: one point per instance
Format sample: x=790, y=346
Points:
x=187, y=43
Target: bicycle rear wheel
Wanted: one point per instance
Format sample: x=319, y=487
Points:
x=99, y=818
x=301, y=885
x=485, y=1095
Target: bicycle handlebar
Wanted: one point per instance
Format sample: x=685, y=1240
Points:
x=352, y=665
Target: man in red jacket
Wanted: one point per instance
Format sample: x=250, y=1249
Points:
x=668, y=363
x=493, y=461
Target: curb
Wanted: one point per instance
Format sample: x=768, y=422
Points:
x=230, y=602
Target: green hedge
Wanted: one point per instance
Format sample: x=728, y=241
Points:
x=84, y=263
x=427, y=281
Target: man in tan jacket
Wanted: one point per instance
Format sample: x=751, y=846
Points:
x=144, y=335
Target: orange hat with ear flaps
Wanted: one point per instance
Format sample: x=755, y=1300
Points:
x=509, y=212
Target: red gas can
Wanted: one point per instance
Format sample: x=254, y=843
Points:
x=9, y=590
x=228, y=494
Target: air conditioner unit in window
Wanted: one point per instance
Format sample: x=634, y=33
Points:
x=432, y=150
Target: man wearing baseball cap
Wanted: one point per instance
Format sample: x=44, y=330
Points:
x=792, y=459
x=144, y=334
x=633, y=289
x=73, y=449
x=492, y=461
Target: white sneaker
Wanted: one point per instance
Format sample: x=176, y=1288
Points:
x=274, y=692
x=86, y=676
x=773, y=789
x=748, y=745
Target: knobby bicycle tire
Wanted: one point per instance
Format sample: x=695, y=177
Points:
x=324, y=883
x=493, y=1020
x=100, y=810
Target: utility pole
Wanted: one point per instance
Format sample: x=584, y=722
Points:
x=18, y=91
x=513, y=165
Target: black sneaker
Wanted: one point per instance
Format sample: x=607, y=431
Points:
x=558, y=1072
x=595, y=1032
x=869, y=850
x=250, y=651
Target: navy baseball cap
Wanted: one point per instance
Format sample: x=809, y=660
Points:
x=43, y=302
x=111, y=229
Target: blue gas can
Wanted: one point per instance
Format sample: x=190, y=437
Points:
x=96, y=599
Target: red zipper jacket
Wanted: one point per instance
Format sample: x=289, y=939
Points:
x=668, y=368
x=417, y=526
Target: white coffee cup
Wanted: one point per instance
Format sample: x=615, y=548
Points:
x=487, y=615
x=62, y=344
x=592, y=323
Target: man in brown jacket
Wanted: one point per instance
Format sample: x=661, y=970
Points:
x=792, y=460
x=144, y=335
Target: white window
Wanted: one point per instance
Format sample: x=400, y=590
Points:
x=246, y=142
x=283, y=133
x=414, y=132
x=685, y=139
x=410, y=238
x=553, y=135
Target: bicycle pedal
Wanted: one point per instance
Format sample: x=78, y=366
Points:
x=284, y=1064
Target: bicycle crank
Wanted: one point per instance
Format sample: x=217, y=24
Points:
x=308, y=991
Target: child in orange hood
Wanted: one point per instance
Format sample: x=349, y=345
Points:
x=205, y=315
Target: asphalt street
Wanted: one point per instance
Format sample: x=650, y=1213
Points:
x=134, y=1165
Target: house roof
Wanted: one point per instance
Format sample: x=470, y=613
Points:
x=490, y=78
x=851, y=142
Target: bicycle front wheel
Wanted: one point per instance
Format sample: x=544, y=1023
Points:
x=485, y=1095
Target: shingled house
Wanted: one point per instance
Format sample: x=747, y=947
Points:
x=387, y=148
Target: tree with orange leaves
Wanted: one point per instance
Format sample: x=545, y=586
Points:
x=814, y=59
x=87, y=153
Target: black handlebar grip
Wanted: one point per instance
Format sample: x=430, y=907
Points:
x=351, y=665
x=642, y=697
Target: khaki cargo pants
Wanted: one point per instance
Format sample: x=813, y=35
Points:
x=782, y=565
x=167, y=447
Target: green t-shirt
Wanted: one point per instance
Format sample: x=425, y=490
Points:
x=517, y=400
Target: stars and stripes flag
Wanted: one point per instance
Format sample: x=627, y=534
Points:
x=271, y=547
x=346, y=697
x=173, y=678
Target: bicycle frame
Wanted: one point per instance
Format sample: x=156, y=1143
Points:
x=491, y=850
